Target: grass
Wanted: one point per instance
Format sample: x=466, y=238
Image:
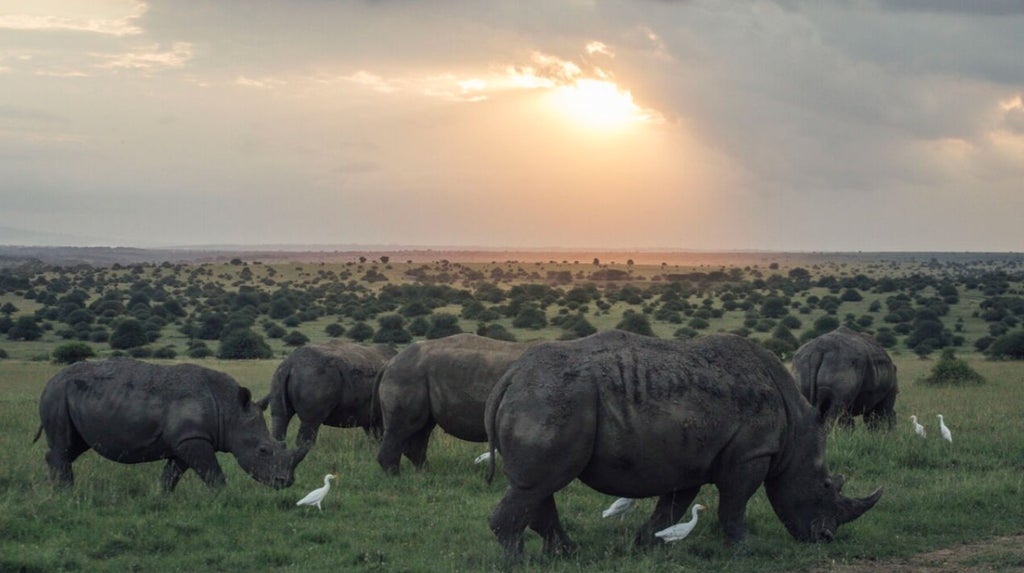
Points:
x=117, y=519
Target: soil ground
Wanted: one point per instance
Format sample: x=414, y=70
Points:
x=998, y=554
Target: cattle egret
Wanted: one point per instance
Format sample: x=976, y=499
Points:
x=618, y=507
x=946, y=434
x=317, y=495
x=680, y=530
x=482, y=458
x=918, y=428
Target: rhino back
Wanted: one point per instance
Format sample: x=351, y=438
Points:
x=675, y=413
x=131, y=411
x=460, y=372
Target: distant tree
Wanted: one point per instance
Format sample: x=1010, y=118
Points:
x=25, y=328
x=8, y=309
x=360, y=331
x=530, y=316
x=72, y=352
x=129, y=333
x=419, y=326
x=198, y=349
x=384, y=259
x=392, y=330
x=950, y=370
x=4, y=354
x=334, y=330
x=295, y=338
x=243, y=345
x=1008, y=346
x=576, y=326
x=165, y=352
x=443, y=324
x=637, y=322
x=495, y=331
x=774, y=307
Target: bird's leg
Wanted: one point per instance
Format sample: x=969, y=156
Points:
x=670, y=508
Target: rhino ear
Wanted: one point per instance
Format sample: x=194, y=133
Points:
x=244, y=395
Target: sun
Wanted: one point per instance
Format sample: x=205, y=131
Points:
x=597, y=104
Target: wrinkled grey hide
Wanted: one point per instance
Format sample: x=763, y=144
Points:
x=848, y=374
x=132, y=412
x=442, y=382
x=634, y=416
x=328, y=384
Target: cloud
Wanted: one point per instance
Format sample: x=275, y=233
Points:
x=148, y=58
x=596, y=47
x=124, y=25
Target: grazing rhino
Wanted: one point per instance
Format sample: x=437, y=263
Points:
x=850, y=372
x=131, y=412
x=634, y=416
x=328, y=384
x=442, y=382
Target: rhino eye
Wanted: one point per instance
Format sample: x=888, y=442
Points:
x=828, y=484
x=263, y=450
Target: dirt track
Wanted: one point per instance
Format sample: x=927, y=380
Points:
x=999, y=554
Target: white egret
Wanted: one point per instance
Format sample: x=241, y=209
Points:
x=918, y=428
x=482, y=458
x=618, y=507
x=946, y=434
x=680, y=530
x=317, y=495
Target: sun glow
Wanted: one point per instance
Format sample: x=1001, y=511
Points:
x=598, y=104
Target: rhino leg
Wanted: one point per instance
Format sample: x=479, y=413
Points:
x=670, y=509
x=549, y=526
x=59, y=459
x=279, y=424
x=200, y=456
x=509, y=519
x=308, y=431
x=883, y=413
x=390, y=453
x=172, y=473
x=735, y=488
x=416, y=445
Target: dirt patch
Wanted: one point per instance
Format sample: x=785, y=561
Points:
x=998, y=554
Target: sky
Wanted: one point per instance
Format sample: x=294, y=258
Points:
x=787, y=125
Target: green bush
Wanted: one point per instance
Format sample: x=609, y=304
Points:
x=530, y=316
x=243, y=345
x=3, y=354
x=495, y=331
x=636, y=322
x=1008, y=346
x=295, y=338
x=72, y=352
x=165, y=352
x=443, y=324
x=952, y=371
x=360, y=331
x=129, y=333
x=334, y=330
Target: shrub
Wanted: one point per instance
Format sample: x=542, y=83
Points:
x=25, y=328
x=295, y=338
x=576, y=326
x=334, y=330
x=443, y=324
x=129, y=333
x=530, y=316
x=140, y=352
x=495, y=331
x=275, y=330
x=392, y=330
x=166, y=352
x=72, y=352
x=198, y=349
x=952, y=371
x=242, y=345
x=360, y=331
x=1008, y=346
x=636, y=322
x=4, y=354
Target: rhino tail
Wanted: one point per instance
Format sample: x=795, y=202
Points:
x=39, y=432
x=277, y=397
x=491, y=420
x=376, y=415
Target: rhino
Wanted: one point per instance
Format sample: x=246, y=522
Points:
x=131, y=411
x=328, y=384
x=852, y=373
x=442, y=382
x=634, y=416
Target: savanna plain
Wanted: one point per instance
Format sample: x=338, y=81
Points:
x=928, y=309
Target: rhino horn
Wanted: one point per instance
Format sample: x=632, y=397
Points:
x=852, y=508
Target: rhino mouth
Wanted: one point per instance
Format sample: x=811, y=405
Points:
x=822, y=530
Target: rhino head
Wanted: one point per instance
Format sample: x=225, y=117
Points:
x=262, y=457
x=805, y=496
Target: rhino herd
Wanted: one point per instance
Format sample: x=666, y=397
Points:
x=628, y=415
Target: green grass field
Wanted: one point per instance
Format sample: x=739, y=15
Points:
x=117, y=519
